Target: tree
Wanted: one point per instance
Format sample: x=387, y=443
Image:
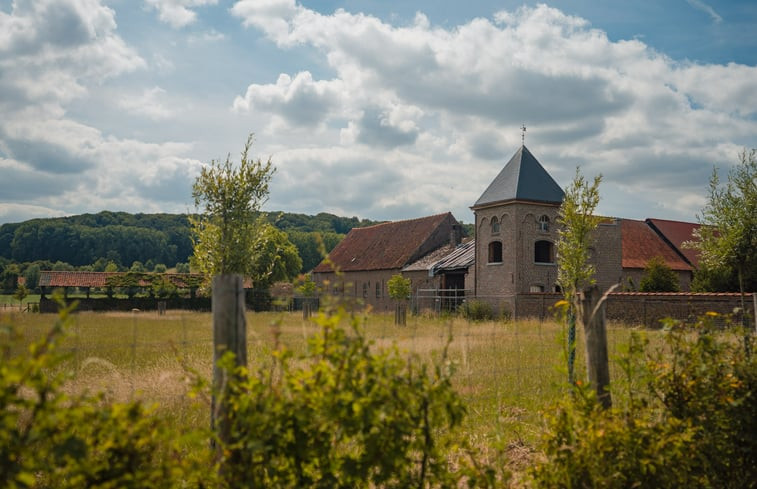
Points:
x=275, y=258
x=226, y=230
x=31, y=276
x=658, y=277
x=399, y=290
x=575, y=235
x=21, y=293
x=727, y=237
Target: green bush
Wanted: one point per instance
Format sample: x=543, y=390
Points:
x=688, y=419
x=50, y=439
x=477, y=310
x=342, y=415
x=658, y=277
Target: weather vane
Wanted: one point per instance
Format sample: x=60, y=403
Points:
x=523, y=134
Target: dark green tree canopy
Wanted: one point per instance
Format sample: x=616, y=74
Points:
x=727, y=238
x=658, y=277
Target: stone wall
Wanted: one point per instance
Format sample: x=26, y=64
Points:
x=644, y=309
x=647, y=309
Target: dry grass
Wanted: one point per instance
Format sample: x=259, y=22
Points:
x=508, y=373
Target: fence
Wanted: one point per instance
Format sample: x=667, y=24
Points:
x=507, y=371
x=631, y=308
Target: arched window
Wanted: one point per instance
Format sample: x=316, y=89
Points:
x=543, y=252
x=544, y=223
x=495, y=252
x=495, y=225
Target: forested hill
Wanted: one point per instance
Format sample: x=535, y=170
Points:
x=124, y=238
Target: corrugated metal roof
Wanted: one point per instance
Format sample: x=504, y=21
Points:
x=446, y=258
x=389, y=245
x=461, y=258
x=677, y=233
x=640, y=244
x=522, y=178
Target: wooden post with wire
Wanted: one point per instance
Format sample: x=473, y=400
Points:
x=595, y=333
x=229, y=335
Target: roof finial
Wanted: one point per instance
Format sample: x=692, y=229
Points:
x=523, y=134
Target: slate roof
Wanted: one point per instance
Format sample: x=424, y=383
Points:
x=676, y=233
x=522, y=178
x=390, y=245
x=640, y=244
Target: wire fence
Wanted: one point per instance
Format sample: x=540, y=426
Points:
x=508, y=371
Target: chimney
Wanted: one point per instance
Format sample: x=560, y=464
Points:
x=456, y=235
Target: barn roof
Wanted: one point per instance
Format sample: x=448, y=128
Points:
x=640, y=244
x=522, y=178
x=445, y=259
x=676, y=233
x=389, y=245
x=48, y=278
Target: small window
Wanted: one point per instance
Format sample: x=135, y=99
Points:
x=495, y=225
x=495, y=252
x=365, y=288
x=536, y=289
x=544, y=223
x=378, y=290
x=543, y=252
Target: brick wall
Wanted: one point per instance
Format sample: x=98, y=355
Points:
x=645, y=309
x=367, y=287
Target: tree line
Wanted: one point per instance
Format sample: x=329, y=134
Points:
x=121, y=241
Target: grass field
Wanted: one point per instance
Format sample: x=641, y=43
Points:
x=509, y=373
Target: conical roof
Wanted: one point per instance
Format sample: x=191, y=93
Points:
x=522, y=178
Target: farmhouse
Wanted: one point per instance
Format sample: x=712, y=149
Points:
x=364, y=261
x=513, y=253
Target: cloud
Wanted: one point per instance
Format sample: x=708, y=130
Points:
x=301, y=101
x=148, y=104
x=700, y=5
x=376, y=128
x=207, y=36
x=615, y=107
x=177, y=13
x=51, y=50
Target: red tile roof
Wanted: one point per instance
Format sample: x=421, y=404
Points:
x=390, y=245
x=677, y=233
x=641, y=244
x=49, y=278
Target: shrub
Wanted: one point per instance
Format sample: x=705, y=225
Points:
x=477, y=310
x=51, y=439
x=688, y=420
x=344, y=416
x=658, y=277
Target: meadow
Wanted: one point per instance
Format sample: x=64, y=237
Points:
x=509, y=373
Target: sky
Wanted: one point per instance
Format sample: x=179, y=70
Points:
x=383, y=110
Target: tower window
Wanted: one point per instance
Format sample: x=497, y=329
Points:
x=544, y=223
x=543, y=252
x=495, y=225
x=495, y=252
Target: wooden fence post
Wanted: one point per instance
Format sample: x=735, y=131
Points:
x=229, y=334
x=595, y=333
